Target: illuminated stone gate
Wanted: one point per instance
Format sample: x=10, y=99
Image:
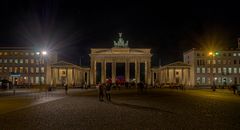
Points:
x=136, y=59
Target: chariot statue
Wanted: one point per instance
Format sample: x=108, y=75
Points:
x=120, y=43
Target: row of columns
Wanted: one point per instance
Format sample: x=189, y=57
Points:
x=167, y=77
x=127, y=71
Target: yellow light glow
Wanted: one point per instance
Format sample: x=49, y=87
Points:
x=210, y=53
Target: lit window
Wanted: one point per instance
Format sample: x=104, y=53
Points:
x=42, y=69
x=5, y=60
x=0, y=60
x=5, y=53
x=21, y=53
x=238, y=54
x=10, y=60
x=214, y=70
x=219, y=80
x=37, y=80
x=198, y=80
x=16, y=61
x=37, y=70
x=219, y=70
x=203, y=70
x=224, y=70
x=198, y=70
x=21, y=61
x=21, y=69
x=234, y=70
x=26, y=69
x=42, y=79
x=208, y=80
x=26, y=53
x=26, y=61
x=0, y=53
x=209, y=62
x=16, y=53
x=32, y=70
x=15, y=69
x=234, y=54
x=32, y=53
x=208, y=70
x=31, y=80
x=203, y=80
x=214, y=62
x=5, y=69
x=239, y=70
x=229, y=70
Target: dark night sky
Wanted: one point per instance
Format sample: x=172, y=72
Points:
x=73, y=27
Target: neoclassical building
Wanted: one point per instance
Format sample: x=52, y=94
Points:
x=120, y=62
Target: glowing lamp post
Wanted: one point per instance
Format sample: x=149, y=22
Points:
x=213, y=54
x=41, y=60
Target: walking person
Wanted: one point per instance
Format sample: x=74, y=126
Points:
x=101, y=92
x=108, y=92
x=66, y=88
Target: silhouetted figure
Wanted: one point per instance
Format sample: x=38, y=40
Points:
x=108, y=92
x=234, y=88
x=101, y=92
x=66, y=88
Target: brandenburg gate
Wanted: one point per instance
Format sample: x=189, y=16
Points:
x=135, y=63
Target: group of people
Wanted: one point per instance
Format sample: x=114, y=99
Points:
x=104, y=89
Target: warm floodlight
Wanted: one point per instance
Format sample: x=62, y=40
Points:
x=38, y=53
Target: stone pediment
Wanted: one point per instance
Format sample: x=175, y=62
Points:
x=64, y=64
x=176, y=64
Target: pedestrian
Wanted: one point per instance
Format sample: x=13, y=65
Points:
x=101, y=92
x=108, y=92
x=66, y=88
x=234, y=88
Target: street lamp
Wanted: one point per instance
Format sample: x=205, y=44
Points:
x=213, y=54
x=41, y=60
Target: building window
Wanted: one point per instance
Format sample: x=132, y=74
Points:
x=0, y=60
x=219, y=70
x=37, y=80
x=32, y=61
x=219, y=62
x=5, y=69
x=234, y=54
x=203, y=70
x=198, y=80
x=238, y=54
x=21, y=69
x=224, y=70
x=21, y=61
x=214, y=70
x=15, y=69
x=219, y=80
x=32, y=70
x=26, y=61
x=224, y=62
x=16, y=53
x=42, y=69
x=229, y=70
x=239, y=70
x=0, y=69
x=198, y=70
x=16, y=61
x=42, y=79
x=10, y=60
x=234, y=70
x=5, y=53
x=26, y=53
x=208, y=70
x=214, y=62
x=209, y=62
x=203, y=80
x=10, y=69
x=229, y=54
x=0, y=53
x=37, y=70
x=229, y=62
x=31, y=80
x=224, y=54
x=26, y=69
x=5, y=60
x=32, y=53
x=234, y=62
x=208, y=80
x=198, y=54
